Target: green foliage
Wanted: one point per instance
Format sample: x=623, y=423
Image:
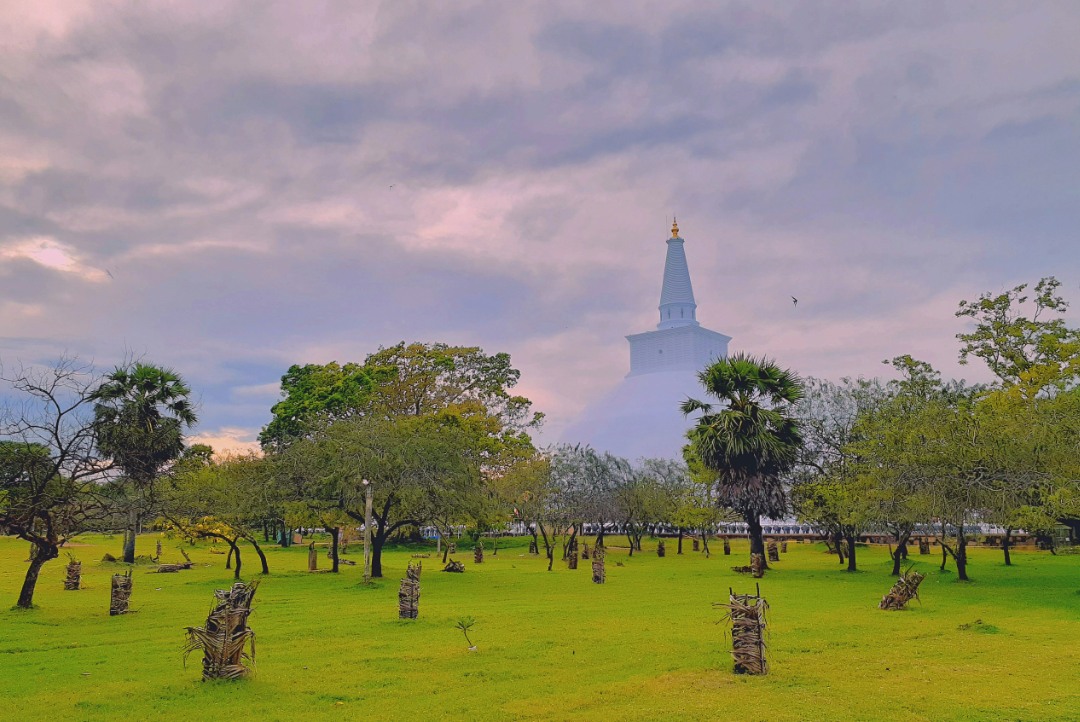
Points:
x=752, y=440
x=1016, y=339
x=140, y=412
x=313, y=392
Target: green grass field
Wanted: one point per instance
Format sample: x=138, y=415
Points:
x=644, y=646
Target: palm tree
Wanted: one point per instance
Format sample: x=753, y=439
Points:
x=750, y=441
x=140, y=412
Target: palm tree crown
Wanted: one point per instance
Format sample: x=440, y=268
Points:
x=750, y=441
x=140, y=412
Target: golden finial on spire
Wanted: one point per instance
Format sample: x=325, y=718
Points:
x=674, y=227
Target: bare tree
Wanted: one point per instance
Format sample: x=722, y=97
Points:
x=50, y=474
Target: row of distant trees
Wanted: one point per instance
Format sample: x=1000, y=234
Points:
x=442, y=440
x=923, y=453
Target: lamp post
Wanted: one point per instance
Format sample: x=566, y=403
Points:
x=367, y=530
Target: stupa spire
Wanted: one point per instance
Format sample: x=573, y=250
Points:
x=677, y=306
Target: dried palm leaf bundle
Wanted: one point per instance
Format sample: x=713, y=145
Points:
x=747, y=615
x=158, y=555
x=905, y=589
x=413, y=571
x=226, y=636
x=727, y=547
x=783, y=547
x=572, y=558
x=924, y=546
x=660, y=550
x=453, y=566
x=478, y=554
x=409, y=597
x=697, y=545
x=74, y=574
x=312, y=558
x=599, y=573
x=757, y=565
x=774, y=552
x=121, y=593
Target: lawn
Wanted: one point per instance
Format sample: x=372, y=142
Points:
x=551, y=645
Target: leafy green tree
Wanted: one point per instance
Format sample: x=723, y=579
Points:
x=751, y=440
x=314, y=392
x=1022, y=339
x=50, y=475
x=828, y=490
x=228, y=499
x=140, y=413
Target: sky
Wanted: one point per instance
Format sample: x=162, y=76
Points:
x=231, y=188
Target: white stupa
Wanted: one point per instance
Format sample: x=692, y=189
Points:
x=640, y=417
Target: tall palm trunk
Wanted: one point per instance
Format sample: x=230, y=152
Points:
x=757, y=538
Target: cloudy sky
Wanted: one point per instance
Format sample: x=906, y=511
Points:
x=230, y=188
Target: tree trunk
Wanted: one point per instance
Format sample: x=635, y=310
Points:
x=838, y=541
x=335, y=534
x=944, y=554
x=129, y=537
x=757, y=539
x=630, y=538
x=228, y=559
x=705, y=543
x=850, y=539
x=1005, y=546
x=899, y=554
x=680, y=541
x=235, y=553
x=600, y=537
x=262, y=557
x=961, y=555
x=37, y=560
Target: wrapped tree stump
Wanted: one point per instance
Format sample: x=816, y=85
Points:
x=158, y=555
x=226, y=636
x=697, y=545
x=727, y=547
x=478, y=554
x=74, y=574
x=747, y=615
x=783, y=547
x=599, y=574
x=774, y=552
x=905, y=589
x=757, y=565
x=572, y=559
x=409, y=594
x=121, y=594
x=453, y=566
x=660, y=550
x=312, y=558
x=584, y=551
x=924, y=547
x=533, y=549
